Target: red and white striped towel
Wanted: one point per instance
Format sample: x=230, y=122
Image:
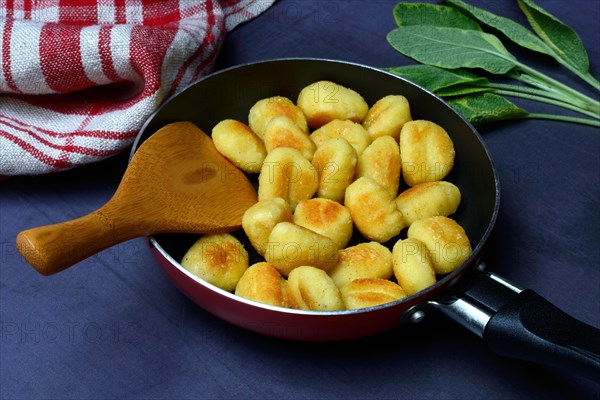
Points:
x=79, y=77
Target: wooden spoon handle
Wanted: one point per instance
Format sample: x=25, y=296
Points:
x=53, y=248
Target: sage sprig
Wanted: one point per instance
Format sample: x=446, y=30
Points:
x=446, y=40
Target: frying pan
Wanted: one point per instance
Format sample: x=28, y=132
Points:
x=514, y=322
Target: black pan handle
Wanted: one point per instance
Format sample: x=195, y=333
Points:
x=522, y=324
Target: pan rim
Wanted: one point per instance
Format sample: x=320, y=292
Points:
x=426, y=293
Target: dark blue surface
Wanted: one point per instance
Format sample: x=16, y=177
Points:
x=114, y=327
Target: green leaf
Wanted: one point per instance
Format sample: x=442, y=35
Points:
x=559, y=37
x=511, y=29
x=452, y=48
x=407, y=14
x=435, y=79
x=486, y=107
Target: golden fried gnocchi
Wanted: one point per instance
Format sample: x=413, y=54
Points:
x=287, y=174
x=329, y=165
x=427, y=152
x=239, y=144
x=324, y=101
x=311, y=288
x=335, y=163
x=219, y=259
x=369, y=292
x=413, y=268
x=364, y=260
x=263, y=110
x=263, y=283
x=259, y=220
x=446, y=242
x=353, y=132
x=373, y=210
x=292, y=245
x=325, y=217
x=428, y=200
x=283, y=132
x=381, y=162
x=387, y=117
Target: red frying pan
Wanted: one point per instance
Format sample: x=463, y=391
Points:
x=514, y=322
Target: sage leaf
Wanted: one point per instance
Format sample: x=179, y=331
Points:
x=452, y=48
x=564, y=41
x=407, y=14
x=486, y=107
x=511, y=29
x=435, y=79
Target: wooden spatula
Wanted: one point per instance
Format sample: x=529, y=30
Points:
x=176, y=182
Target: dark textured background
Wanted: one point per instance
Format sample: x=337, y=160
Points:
x=114, y=327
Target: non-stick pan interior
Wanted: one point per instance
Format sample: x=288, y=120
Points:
x=230, y=94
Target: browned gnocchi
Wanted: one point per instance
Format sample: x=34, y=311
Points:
x=427, y=152
x=258, y=221
x=281, y=131
x=335, y=162
x=428, y=199
x=327, y=217
x=373, y=210
x=239, y=144
x=446, y=242
x=353, y=132
x=324, y=101
x=263, y=283
x=310, y=288
x=264, y=110
x=292, y=245
x=381, y=162
x=287, y=174
x=219, y=259
x=362, y=261
x=387, y=117
x=330, y=167
x=370, y=292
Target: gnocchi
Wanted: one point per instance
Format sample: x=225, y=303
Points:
x=287, y=174
x=428, y=200
x=381, y=162
x=446, y=242
x=324, y=101
x=361, y=261
x=373, y=210
x=362, y=293
x=413, y=268
x=335, y=162
x=353, y=132
x=264, y=110
x=427, y=152
x=327, y=217
x=330, y=167
x=219, y=259
x=263, y=283
x=283, y=132
x=310, y=288
x=387, y=117
x=239, y=144
x=258, y=221
x=292, y=245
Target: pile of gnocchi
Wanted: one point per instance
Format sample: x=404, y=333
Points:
x=330, y=166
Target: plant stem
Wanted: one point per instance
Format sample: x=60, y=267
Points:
x=564, y=118
x=590, y=104
x=532, y=94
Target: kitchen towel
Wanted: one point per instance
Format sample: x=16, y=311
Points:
x=78, y=78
